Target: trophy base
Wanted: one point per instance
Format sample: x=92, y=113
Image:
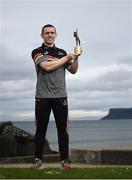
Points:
x=78, y=50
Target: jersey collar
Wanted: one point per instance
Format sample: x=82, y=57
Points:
x=47, y=47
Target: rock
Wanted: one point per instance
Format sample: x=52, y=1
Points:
x=17, y=142
x=3, y=124
x=7, y=146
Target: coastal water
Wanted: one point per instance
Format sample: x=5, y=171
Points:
x=101, y=133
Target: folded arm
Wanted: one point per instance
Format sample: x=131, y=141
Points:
x=69, y=61
x=54, y=65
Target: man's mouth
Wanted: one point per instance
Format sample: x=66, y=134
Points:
x=50, y=39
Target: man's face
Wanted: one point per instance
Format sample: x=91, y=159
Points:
x=49, y=35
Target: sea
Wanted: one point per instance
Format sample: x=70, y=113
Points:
x=88, y=133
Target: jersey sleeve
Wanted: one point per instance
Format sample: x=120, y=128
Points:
x=37, y=56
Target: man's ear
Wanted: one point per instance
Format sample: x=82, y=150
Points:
x=41, y=36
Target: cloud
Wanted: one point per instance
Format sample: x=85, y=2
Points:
x=14, y=66
x=91, y=92
x=116, y=75
x=104, y=77
x=102, y=88
x=20, y=89
x=17, y=80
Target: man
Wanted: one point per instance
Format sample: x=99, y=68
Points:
x=51, y=63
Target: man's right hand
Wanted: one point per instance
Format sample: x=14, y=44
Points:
x=78, y=50
x=72, y=56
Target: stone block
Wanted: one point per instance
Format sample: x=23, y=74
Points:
x=118, y=157
x=84, y=156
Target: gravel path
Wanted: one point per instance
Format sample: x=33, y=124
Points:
x=57, y=165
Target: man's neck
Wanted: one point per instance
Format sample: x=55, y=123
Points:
x=49, y=45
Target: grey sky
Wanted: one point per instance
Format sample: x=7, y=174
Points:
x=104, y=78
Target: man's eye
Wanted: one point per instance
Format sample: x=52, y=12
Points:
x=49, y=33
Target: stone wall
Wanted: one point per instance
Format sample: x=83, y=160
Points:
x=116, y=156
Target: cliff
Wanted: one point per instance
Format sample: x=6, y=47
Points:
x=119, y=113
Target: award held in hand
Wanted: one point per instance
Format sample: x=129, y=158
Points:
x=77, y=49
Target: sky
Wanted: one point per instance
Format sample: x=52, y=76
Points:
x=104, y=77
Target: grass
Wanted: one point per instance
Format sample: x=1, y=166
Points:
x=74, y=173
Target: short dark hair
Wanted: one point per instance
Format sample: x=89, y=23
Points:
x=47, y=25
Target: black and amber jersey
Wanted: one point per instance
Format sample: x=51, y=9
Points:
x=45, y=53
x=49, y=84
